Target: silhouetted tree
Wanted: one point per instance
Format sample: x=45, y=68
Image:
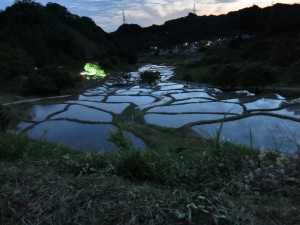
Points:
x=258, y=75
x=50, y=80
x=24, y=2
x=187, y=78
x=14, y=63
x=228, y=76
x=51, y=34
x=57, y=10
x=294, y=73
x=235, y=42
x=149, y=76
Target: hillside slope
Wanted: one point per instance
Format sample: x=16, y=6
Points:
x=279, y=19
x=52, y=35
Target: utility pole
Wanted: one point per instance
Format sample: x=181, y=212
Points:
x=124, y=19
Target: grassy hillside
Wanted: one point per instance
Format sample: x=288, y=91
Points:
x=208, y=182
x=261, y=61
x=219, y=183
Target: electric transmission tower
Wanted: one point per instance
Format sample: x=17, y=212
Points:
x=124, y=18
x=194, y=8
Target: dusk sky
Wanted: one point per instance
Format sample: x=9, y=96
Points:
x=108, y=13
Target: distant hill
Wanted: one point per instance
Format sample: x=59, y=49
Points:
x=52, y=35
x=280, y=19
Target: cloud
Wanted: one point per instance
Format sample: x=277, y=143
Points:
x=108, y=13
x=224, y=1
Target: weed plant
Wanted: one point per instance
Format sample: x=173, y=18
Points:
x=6, y=116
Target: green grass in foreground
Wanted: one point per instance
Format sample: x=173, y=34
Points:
x=42, y=183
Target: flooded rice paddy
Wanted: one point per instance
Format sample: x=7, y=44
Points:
x=85, y=121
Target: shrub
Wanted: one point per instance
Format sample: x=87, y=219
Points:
x=12, y=147
x=96, y=160
x=94, y=69
x=187, y=78
x=5, y=117
x=235, y=42
x=121, y=140
x=258, y=75
x=294, y=73
x=16, y=147
x=283, y=57
x=131, y=164
x=228, y=76
x=61, y=78
x=40, y=85
x=149, y=77
x=49, y=80
x=14, y=63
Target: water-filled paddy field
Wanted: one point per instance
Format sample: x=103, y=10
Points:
x=85, y=121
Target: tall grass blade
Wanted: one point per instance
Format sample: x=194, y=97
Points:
x=277, y=146
x=218, y=136
x=251, y=139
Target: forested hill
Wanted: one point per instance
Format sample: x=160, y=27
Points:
x=279, y=19
x=52, y=35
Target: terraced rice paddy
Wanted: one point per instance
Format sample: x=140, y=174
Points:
x=84, y=121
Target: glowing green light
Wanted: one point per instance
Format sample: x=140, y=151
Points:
x=93, y=70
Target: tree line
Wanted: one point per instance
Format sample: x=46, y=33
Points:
x=34, y=38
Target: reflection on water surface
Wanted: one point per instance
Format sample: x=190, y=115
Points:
x=166, y=104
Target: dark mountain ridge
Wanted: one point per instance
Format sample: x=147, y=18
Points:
x=52, y=35
x=279, y=19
